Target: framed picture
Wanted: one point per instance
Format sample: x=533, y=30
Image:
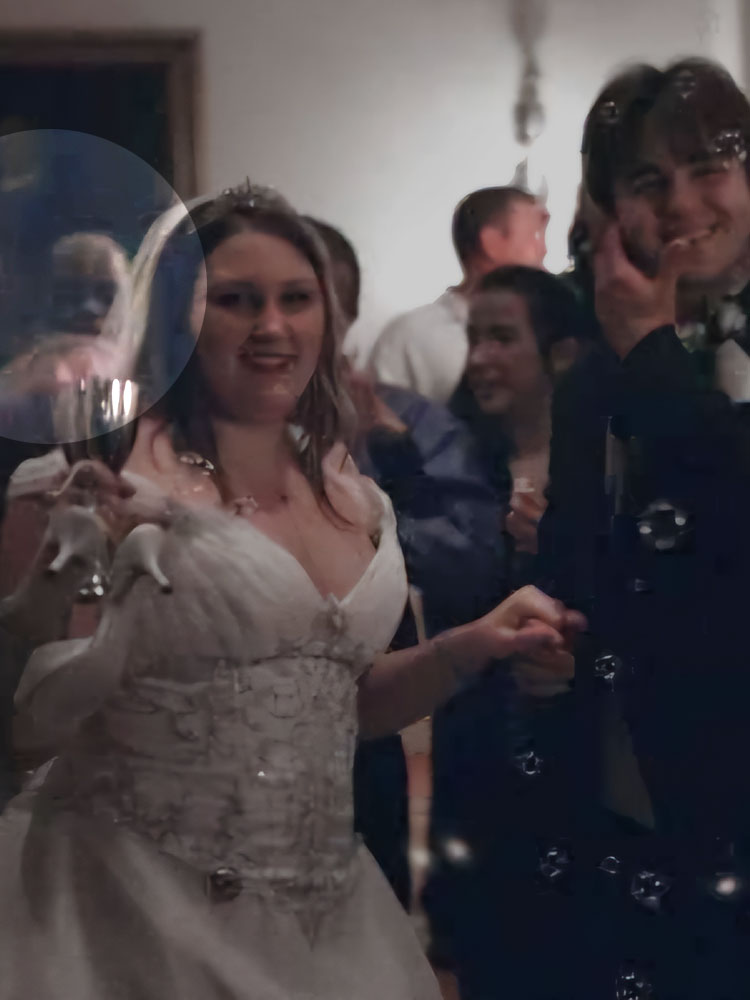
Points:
x=138, y=90
x=61, y=94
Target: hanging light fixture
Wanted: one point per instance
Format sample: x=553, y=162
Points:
x=528, y=19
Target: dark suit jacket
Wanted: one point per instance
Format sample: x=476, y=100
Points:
x=672, y=614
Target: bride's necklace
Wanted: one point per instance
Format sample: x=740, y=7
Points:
x=248, y=504
x=241, y=506
x=293, y=539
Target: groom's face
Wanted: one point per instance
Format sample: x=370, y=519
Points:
x=701, y=195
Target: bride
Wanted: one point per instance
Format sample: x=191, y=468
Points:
x=193, y=836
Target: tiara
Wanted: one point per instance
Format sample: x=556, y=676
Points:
x=250, y=195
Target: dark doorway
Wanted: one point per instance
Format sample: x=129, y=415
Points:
x=138, y=90
x=125, y=104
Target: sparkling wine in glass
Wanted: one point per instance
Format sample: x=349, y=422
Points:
x=97, y=419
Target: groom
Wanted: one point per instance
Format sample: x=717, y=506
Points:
x=648, y=532
x=648, y=527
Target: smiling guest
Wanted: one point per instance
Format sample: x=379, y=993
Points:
x=665, y=156
x=525, y=328
x=425, y=350
x=647, y=527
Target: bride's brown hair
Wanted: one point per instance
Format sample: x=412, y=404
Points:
x=323, y=411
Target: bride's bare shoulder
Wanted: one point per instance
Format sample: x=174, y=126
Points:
x=353, y=496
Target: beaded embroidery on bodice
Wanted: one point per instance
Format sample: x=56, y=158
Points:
x=231, y=741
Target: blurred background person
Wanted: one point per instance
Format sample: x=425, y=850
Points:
x=90, y=276
x=430, y=461
x=89, y=283
x=495, y=787
x=425, y=349
x=89, y=270
x=525, y=329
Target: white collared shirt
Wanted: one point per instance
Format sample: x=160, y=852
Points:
x=732, y=374
x=425, y=350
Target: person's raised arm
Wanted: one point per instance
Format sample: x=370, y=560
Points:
x=666, y=403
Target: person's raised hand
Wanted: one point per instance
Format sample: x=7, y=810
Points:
x=372, y=411
x=629, y=303
x=522, y=521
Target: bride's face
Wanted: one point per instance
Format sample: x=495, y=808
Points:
x=262, y=329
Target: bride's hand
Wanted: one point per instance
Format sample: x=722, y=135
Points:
x=91, y=481
x=114, y=498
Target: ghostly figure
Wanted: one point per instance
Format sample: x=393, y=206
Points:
x=89, y=298
x=88, y=271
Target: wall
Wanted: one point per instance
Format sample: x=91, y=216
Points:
x=379, y=116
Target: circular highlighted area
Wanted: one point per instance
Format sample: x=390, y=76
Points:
x=92, y=242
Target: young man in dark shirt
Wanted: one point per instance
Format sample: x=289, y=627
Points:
x=647, y=532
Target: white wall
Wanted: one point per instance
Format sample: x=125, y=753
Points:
x=378, y=115
x=726, y=24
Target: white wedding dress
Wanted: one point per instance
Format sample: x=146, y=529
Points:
x=195, y=840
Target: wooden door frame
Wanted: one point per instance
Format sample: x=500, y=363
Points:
x=179, y=51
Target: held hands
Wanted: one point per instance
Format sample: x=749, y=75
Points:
x=630, y=304
x=528, y=623
x=547, y=675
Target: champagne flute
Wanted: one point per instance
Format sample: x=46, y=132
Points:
x=96, y=419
